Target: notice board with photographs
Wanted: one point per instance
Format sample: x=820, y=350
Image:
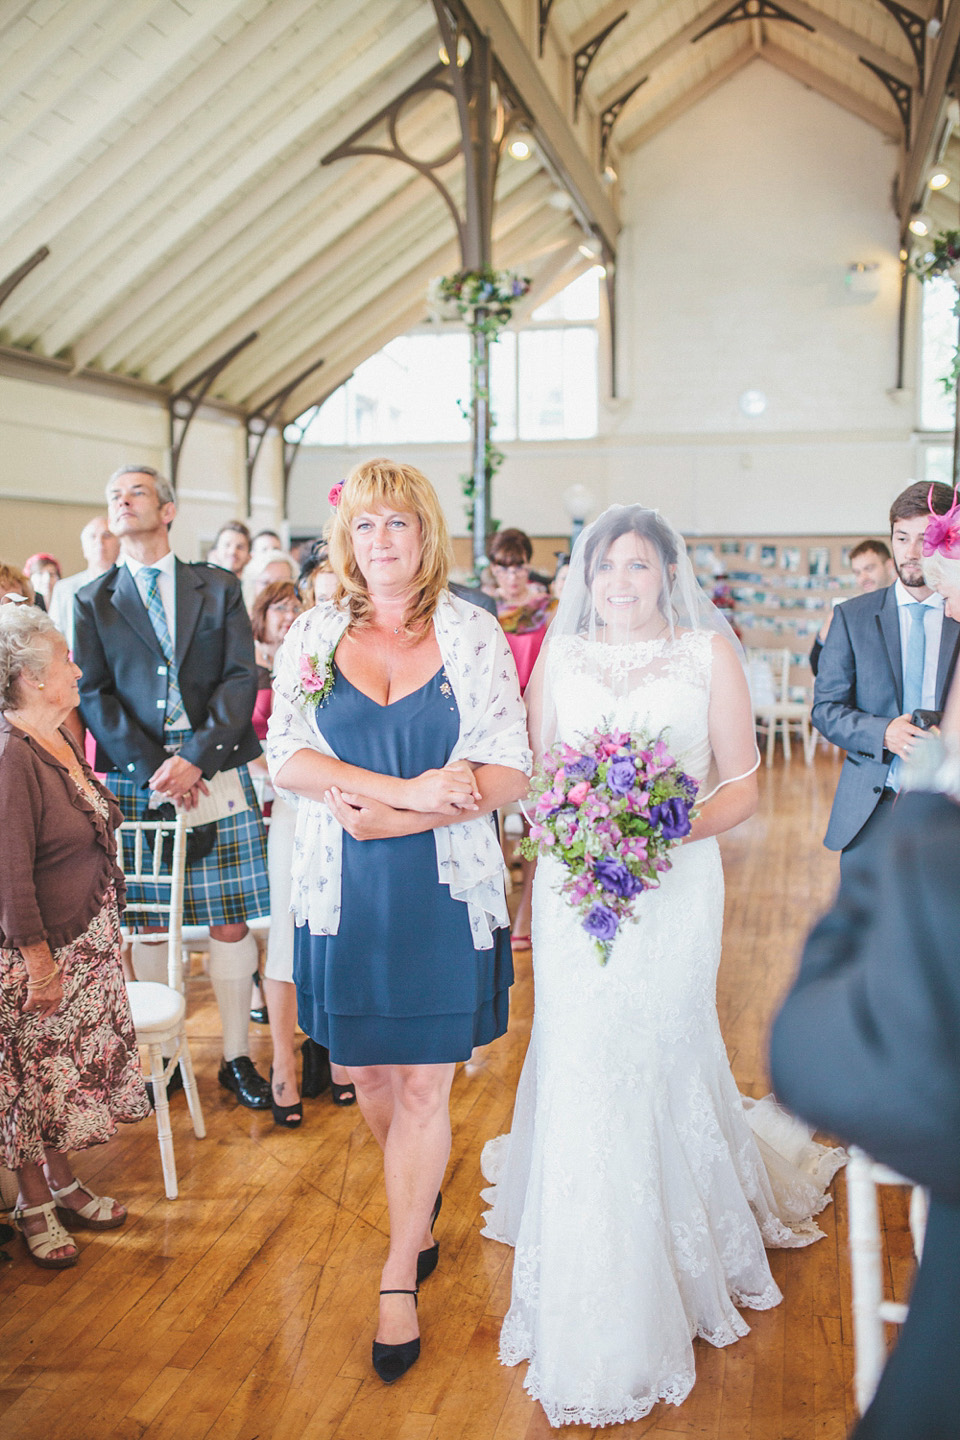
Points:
x=777, y=589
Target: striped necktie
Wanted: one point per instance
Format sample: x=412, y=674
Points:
x=158, y=619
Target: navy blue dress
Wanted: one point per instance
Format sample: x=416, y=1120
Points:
x=400, y=983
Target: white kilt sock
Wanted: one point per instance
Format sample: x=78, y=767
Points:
x=232, y=964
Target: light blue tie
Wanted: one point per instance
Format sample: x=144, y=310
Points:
x=912, y=677
x=916, y=653
x=158, y=619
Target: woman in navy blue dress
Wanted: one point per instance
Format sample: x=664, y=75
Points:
x=399, y=729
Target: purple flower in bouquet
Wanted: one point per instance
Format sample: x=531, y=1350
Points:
x=601, y=923
x=583, y=769
x=622, y=774
x=609, y=813
x=673, y=817
x=613, y=875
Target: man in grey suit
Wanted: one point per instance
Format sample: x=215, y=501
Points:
x=888, y=653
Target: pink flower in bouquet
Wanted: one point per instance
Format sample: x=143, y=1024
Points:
x=578, y=793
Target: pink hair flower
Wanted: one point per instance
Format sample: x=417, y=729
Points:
x=334, y=495
x=943, y=532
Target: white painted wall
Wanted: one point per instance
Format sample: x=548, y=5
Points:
x=739, y=222
x=59, y=447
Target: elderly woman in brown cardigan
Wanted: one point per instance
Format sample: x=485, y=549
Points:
x=68, y=1059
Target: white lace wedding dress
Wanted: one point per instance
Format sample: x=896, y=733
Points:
x=632, y=1184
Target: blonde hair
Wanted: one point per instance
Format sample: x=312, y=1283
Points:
x=383, y=484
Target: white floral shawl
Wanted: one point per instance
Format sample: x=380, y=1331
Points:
x=493, y=731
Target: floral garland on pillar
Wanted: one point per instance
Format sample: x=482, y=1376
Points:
x=484, y=300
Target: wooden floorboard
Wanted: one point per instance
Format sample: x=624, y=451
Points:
x=244, y=1310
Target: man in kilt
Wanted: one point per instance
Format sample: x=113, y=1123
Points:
x=168, y=689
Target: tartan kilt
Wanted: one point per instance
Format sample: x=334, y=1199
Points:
x=228, y=886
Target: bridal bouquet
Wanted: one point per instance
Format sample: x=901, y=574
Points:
x=611, y=813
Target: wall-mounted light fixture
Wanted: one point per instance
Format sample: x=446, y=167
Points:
x=862, y=277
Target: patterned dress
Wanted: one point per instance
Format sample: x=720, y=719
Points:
x=68, y=1079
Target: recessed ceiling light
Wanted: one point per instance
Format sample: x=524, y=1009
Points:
x=919, y=225
x=939, y=180
x=520, y=149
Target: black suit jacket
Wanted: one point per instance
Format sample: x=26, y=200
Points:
x=867, y=1046
x=123, y=688
x=858, y=691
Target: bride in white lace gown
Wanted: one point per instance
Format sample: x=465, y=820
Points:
x=636, y=1186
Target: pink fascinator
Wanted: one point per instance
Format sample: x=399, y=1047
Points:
x=943, y=531
x=334, y=495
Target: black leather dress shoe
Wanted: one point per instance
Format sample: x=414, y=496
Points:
x=242, y=1077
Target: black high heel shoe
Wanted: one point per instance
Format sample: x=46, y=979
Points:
x=288, y=1117
x=427, y=1260
x=392, y=1361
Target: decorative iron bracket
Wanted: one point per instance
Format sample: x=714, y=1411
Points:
x=543, y=16
x=611, y=115
x=901, y=94
x=184, y=403
x=259, y=421
x=915, y=29
x=753, y=10
x=585, y=57
x=8, y=285
x=292, y=443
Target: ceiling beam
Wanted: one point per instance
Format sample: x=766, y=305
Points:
x=927, y=124
x=902, y=70
x=178, y=121
x=53, y=77
x=382, y=218
x=830, y=29
x=372, y=273
x=138, y=79
x=172, y=229
x=644, y=68
x=516, y=236
x=632, y=139
x=33, y=59
x=553, y=132
x=885, y=121
x=100, y=339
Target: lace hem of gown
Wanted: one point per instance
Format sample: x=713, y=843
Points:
x=797, y=1170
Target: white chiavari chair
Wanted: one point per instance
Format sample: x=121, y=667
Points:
x=153, y=855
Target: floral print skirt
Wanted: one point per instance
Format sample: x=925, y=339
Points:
x=68, y=1079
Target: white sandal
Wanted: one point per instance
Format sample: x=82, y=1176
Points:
x=53, y=1238
x=97, y=1214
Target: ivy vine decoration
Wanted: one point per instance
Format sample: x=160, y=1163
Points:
x=484, y=300
x=942, y=257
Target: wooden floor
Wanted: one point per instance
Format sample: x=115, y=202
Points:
x=244, y=1309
